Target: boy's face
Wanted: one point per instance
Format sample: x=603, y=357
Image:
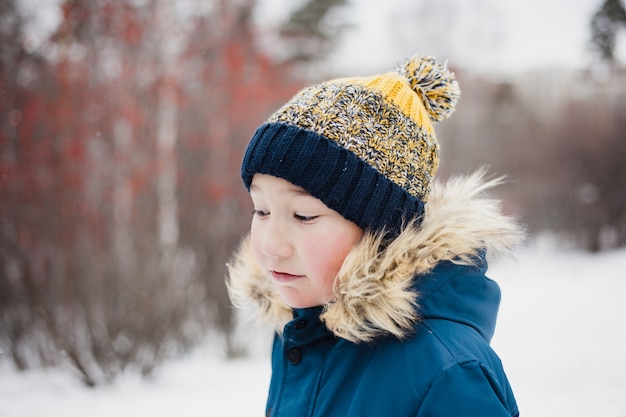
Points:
x=298, y=241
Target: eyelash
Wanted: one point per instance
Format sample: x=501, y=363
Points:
x=304, y=219
x=259, y=213
x=298, y=217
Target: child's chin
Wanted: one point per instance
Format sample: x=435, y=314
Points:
x=295, y=302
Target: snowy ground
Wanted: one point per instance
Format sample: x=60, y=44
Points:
x=561, y=336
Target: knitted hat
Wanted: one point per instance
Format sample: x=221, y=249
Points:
x=364, y=146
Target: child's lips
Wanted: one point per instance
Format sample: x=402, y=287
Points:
x=284, y=276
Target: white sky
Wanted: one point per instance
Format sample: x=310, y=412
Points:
x=488, y=36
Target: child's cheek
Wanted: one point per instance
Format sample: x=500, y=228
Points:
x=255, y=244
x=329, y=254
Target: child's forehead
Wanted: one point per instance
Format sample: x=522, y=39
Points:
x=269, y=183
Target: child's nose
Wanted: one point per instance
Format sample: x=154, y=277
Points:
x=276, y=242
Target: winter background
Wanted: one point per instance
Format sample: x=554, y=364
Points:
x=560, y=334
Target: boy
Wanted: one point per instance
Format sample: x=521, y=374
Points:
x=373, y=278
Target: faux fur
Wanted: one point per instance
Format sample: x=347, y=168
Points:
x=373, y=294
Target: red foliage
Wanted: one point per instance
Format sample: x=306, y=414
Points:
x=83, y=167
x=62, y=150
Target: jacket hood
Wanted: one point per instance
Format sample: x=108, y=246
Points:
x=383, y=287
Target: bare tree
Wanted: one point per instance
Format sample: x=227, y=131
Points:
x=120, y=194
x=610, y=17
x=309, y=31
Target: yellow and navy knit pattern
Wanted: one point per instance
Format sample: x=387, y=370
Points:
x=385, y=121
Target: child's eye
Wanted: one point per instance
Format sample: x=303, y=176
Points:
x=304, y=219
x=259, y=213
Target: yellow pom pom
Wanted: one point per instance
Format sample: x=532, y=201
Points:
x=434, y=84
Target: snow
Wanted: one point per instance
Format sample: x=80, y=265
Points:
x=560, y=335
x=201, y=384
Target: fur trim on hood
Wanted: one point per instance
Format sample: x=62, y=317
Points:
x=374, y=293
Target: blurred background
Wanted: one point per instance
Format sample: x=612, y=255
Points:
x=123, y=124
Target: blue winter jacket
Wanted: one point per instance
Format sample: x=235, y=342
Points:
x=446, y=368
x=416, y=342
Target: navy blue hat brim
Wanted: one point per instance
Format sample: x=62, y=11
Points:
x=332, y=174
